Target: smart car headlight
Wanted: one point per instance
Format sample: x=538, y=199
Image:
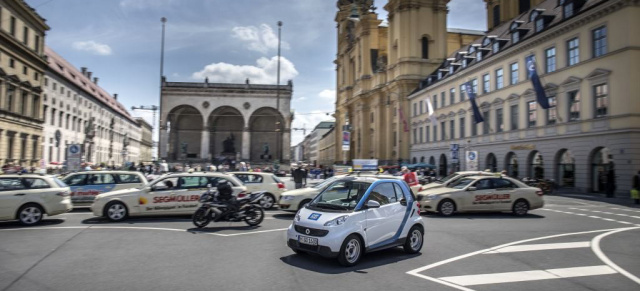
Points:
x=337, y=221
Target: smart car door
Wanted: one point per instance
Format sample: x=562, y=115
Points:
x=382, y=223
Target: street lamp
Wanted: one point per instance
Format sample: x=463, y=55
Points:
x=163, y=20
x=278, y=135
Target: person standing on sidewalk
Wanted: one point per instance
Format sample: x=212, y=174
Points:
x=611, y=183
x=635, y=188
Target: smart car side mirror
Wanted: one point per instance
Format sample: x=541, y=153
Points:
x=472, y=189
x=373, y=204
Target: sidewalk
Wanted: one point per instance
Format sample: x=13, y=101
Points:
x=624, y=201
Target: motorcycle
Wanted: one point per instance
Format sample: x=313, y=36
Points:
x=212, y=209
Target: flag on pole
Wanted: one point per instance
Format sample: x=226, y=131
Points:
x=404, y=121
x=477, y=116
x=535, y=81
x=432, y=114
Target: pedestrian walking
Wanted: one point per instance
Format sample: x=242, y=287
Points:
x=409, y=177
x=635, y=188
x=298, y=177
x=611, y=182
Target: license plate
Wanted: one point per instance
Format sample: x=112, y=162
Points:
x=308, y=240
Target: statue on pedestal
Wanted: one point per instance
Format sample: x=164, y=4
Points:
x=229, y=145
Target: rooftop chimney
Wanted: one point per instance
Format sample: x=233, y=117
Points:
x=89, y=75
x=84, y=71
x=115, y=96
x=95, y=80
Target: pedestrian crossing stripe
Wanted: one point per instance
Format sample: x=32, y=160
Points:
x=510, y=277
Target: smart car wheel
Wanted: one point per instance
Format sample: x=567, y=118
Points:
x=520, y=208
x=446, y=208
x=414, y=241
x=30, y=214
x=116, y=211
x=267, y=201
x=351, y=251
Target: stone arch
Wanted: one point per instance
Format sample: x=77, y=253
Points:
x=422, y=159
x=432, y=161
x=185, y=132
x=535, y=164
x=225, y=123
x=414, y=160
x=491, y=163
x=600, y=165
x=565, y=167
x=511, y=165
x=266, y=125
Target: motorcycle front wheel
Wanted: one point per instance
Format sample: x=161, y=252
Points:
x=200, y=218
x=254, y=216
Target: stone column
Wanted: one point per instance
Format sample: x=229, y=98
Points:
x=164, y=142
x=286, y=146
x=365, y=132
x=246, y=144
x=204, y=143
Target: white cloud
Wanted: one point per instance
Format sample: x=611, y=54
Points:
x=308, y=121
x=92, y=47
x=260, y=39
x=264, y=72
x=328, y=94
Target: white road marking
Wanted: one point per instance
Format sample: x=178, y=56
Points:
x=595, y=247
x=78, y=213
x=608, y=219
x=251, y=232
x=141, y=228
x=509, y=277
x=540, y=247
x=625, y=222
x=416, y=272
x=593, y=216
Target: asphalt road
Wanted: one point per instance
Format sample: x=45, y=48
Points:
x=571, y=244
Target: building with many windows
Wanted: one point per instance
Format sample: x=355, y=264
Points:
x=22, y=66
x=378, y=64
x=146, y=140
x=587, y=59
x=314, y=140
x=78, y=111
x=327, y=149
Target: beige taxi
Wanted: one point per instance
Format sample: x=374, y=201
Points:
x=29, y=197
x=260, y=181
x=482, y=193
x=86, y=185
x=172, y=194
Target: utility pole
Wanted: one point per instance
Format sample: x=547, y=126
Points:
x=278, y=133
x=163, y=20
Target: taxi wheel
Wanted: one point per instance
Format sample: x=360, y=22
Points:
x=414, y=241
x=115, y=211
x=267, y=201
x=520, y=208
x=351, y=251
x=30, y=214
x=446, y=207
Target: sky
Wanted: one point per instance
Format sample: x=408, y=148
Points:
x=224, y=40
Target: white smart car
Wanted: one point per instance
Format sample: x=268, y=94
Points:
x=29, y=197
x=355, y=215
x=482, y=193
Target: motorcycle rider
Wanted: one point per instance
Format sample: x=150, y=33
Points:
x=225, y=195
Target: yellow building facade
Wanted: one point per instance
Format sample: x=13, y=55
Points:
x=378, y=64
x=588, y=61
x=22, y=66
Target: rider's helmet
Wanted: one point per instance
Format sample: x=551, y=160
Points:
x=224, y=189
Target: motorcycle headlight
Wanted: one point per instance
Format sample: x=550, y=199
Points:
x=337, y=221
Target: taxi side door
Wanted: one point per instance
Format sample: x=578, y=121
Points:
x=505, y=192
x=161, y=198
x=480, y=198
x=192, y=187
x=253, y=182
x=12, y=195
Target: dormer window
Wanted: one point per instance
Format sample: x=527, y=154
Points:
x=496, y=47
x=464, y=63
x=451, y=68
x=534, y=15
x=486, y=41
x=515, y=37
x=479, y=56
x=567, y=10
x=539, y=24
x=539, y=20
x=439, y=75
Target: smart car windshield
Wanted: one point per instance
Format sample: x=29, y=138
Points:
x=461, y=183
x=340, y=195
x=324, y=183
